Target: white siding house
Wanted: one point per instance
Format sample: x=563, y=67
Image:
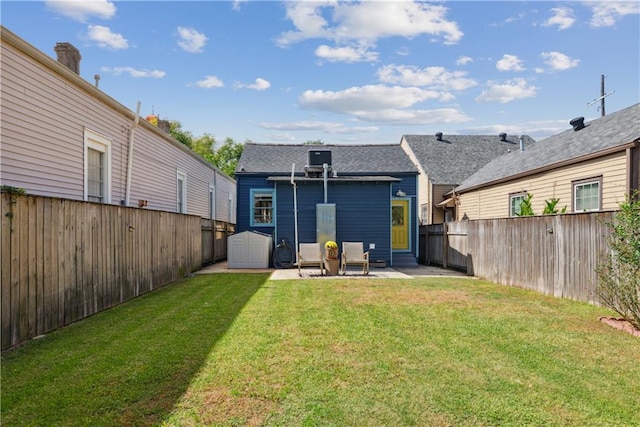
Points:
x=64, y=137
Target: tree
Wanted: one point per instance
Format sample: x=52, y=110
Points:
x=316, y=142
x=525, y=206
x=551, y=207
x=176, y=131
x=205, y=147
x=226, y=157
x=619, y=276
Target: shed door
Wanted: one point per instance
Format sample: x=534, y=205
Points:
x=400, y=224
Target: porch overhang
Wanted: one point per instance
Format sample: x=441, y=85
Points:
x=447, y=203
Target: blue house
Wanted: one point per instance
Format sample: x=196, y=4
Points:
x=313, y=193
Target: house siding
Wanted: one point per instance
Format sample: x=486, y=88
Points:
x=44, y=115
x=244, y=186
x=493, y=201
x=365, y=218
x=423, y=185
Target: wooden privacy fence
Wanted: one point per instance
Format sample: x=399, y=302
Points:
x=214, y=240
x=63, y=260
x=553, y=254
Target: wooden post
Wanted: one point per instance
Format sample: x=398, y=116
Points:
x=445, y=245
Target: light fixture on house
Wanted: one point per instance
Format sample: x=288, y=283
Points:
x=400, y=193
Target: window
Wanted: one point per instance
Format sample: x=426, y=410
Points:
x=212, y=201
x=586, y=195
x=181, y=192
x=424, y=212
x=514, y=203
x=97, y=167
x=262, y=207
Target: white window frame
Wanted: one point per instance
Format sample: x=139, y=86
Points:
x=575, y=185
x=212, y=201
x=252, y=205
x=514, y=210
x=95, y=141
x=181, y=176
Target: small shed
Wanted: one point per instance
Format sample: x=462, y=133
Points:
x=249, y=249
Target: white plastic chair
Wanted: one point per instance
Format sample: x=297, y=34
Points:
x=353, y=254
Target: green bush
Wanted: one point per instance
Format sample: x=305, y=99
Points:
x=619, y=276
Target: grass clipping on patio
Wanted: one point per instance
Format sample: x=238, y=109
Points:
x=235, y=349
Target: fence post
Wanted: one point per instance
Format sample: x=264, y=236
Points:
x=445, y=245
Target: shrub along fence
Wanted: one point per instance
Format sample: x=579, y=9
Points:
x=553, y=254
x=63, y=260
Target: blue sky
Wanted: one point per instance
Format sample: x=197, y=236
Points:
x=349, y=72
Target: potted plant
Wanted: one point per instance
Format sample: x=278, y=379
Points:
x=331, y=249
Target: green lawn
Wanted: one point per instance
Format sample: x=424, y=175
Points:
x=236, y=349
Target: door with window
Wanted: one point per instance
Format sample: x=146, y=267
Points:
x=400, y=224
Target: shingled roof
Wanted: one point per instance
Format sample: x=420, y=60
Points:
x=606, y=134
x=456, y=157
x=373, y=159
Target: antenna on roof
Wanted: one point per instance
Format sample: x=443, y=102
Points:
x=601, y=97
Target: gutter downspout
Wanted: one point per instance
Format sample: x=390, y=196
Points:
x=325, y=173
x=295, y=209
x=127, y=191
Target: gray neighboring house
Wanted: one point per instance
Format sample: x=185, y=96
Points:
x=588, y=167
x=445, y=161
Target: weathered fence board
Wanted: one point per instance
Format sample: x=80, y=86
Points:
x=553, y=254
x=63, y=260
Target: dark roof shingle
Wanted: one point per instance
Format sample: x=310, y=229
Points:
x=456, y=157
x=604, y=133
x=346, y=159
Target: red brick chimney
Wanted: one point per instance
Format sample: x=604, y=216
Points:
x=69, y=56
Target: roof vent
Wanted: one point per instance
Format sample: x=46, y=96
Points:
x=577, y=123
x=439, y=136
x=503, y=136
x=69, y=56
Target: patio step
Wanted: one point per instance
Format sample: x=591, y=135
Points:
x=404, y=261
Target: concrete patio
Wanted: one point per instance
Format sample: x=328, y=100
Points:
x=352, y=273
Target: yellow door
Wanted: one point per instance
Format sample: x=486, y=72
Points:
x=400, y=224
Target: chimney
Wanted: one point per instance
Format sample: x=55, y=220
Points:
x=164, y=125
x=69, y=56
x=439, y=136
x=521, y=143
x=577, y=123
x=503, y=137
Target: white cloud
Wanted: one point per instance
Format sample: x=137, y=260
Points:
x=133, y=72
x=191, y=40
x=562, y=17
x=81, y=10
x=434, y=77
x=509, y=63
x=507, y=91
x=103, y=37
x=236, y=4
x=559, y=61
x=464, y=60
x=366, y=22
x=327, y=127
x=363, y=98
x=606, y=13
x=384, y=104
x=346, y=54
x=210, y=82
x=259, y=84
